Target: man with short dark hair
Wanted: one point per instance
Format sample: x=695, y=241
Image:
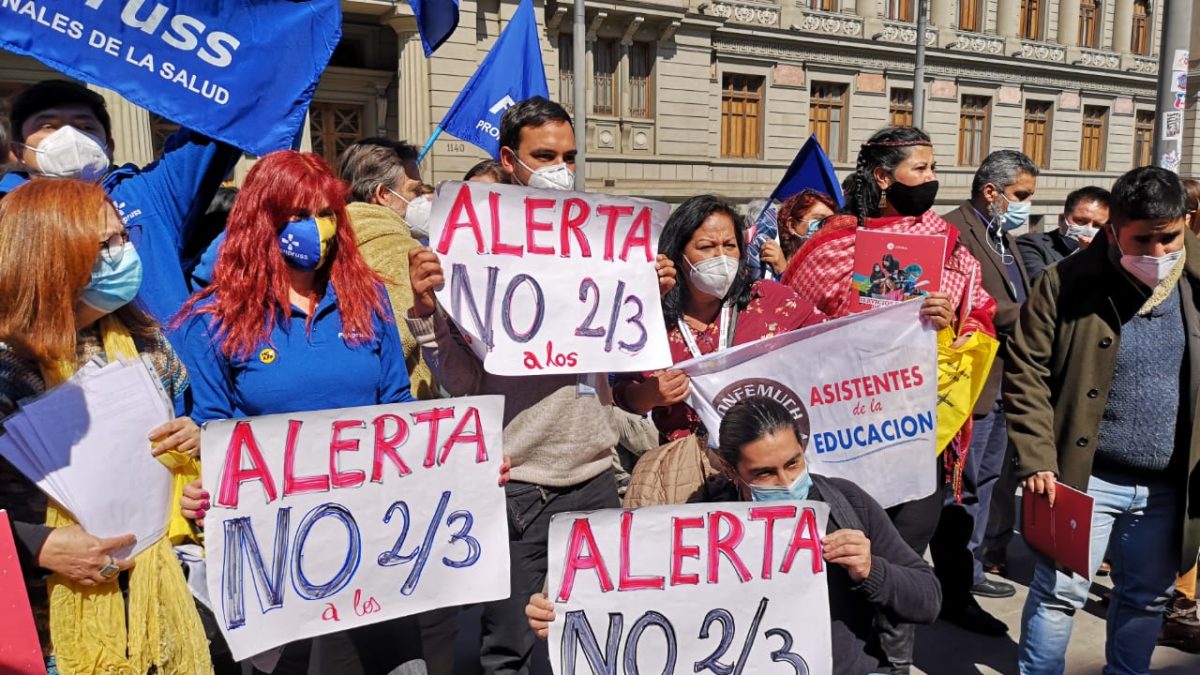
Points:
x=1084, y=214
x=537, y=144
x=558, y=429
x=1101, y=389
x=1001, y=194
x=62, y=128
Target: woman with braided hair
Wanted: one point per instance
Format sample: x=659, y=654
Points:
x=892, y=190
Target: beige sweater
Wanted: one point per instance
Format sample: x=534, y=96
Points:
x=385, y=240
x=555, y=436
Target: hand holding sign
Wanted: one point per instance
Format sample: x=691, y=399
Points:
x=548, y=282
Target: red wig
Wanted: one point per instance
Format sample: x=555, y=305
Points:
x=794, y=210
x=250, y=285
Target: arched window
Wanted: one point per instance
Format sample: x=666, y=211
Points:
x=1090, y=16
x=1031, y=19
x=1140, y=43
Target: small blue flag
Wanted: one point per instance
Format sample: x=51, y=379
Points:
x=511, y=72
x=436, y=21
x=239, y=71
x=766, y=228
x=810, y=169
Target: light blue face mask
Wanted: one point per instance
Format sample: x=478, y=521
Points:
x=114, y=285
x=797, y=490
x=1016, y=216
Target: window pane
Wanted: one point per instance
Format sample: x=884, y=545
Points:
x=641, y=64
x=969, y=15
x=741, y=115
x=566, y=71
x=1031, y=19
x=604, y=64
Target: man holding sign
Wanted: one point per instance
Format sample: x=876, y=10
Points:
x=772, y=555
x=510, y=254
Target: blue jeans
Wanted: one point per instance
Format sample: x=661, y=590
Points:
x=1138, y=522
x=985, y=462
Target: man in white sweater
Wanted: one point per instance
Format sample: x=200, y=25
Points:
x=558, y=429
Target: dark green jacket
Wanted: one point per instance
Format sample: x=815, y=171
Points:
x=1061, y=362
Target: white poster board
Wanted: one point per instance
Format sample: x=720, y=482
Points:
x=691, y=588
x=551, y=282
x=863, y=390
x=322, y=521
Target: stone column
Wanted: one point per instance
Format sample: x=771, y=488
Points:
x=131, y=135
x=945, y=19
x=1068, y=22
x=412, y=83
x=1008, y=24
x=1122, y=27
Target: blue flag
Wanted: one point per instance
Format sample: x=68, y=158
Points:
x=766, y=228
x=810, y=169
x=511, y=72
x=436, y=21
x=240, y=71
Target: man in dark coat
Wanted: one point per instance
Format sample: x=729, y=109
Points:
x=1084, y=214
x=1102, y=388
x=1001, y=194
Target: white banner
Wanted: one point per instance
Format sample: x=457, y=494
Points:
x=862, y=388
x=551, y=282
x=322, y=521
x=704, y=588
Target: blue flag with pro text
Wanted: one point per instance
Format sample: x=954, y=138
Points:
x=511, y=72
x=240, y=71
x=436, y=21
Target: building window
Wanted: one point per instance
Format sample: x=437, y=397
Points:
x=161, y=129
x=566, y=71
x=604, y=77
x=1143, y=139
x=827, y=118
x=641, y=84
x=1031, y=19
x=900, y=10
x=741, y=115
x=974, y=124
x=334, y=127
x=900, y=105
x=1039, y=118
x=1095, y=129
x=1089, y=23
x=970, y=15
x=820, y=5
x=1140, y=43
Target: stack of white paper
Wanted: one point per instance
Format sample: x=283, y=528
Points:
x=84, y=443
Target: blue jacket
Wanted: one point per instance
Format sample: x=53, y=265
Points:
x=160, y=203
x=293, y=370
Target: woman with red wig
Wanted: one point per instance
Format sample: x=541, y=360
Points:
x=800, y=216
x=295, y=320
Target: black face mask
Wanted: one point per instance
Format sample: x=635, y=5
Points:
x=910, y=200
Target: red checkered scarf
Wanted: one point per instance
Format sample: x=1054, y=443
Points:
x=821, y=272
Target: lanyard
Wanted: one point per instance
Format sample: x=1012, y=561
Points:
x=728, y=323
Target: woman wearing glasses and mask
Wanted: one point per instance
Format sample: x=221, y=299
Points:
x=54, y=318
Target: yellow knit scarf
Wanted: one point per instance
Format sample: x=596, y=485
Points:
x=88, y=626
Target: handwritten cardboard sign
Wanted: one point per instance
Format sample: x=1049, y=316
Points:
x=863, y=390
x=550, y=282
x=705, y=588
x=322, y=521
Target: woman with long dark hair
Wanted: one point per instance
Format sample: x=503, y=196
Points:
x=893, y=189
x=716, y=303
x=295, y=320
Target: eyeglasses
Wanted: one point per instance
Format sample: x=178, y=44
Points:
x=113, y=248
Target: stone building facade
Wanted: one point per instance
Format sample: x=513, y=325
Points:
x=689, y=96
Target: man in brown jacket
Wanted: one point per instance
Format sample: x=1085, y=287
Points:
x=1101, y=388
x=1001, y=194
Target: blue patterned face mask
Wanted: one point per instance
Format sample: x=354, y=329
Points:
x=114, y=284
x=797, y=490
x=305, y=243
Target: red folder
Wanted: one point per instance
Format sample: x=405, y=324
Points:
x=20, y=652
x=1064, y=532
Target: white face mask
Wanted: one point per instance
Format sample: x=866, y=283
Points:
x=1080, y=231
x=417, y=214
x=714, y=276
x=70, y=153
x=554, y=177
x=1149, y=269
